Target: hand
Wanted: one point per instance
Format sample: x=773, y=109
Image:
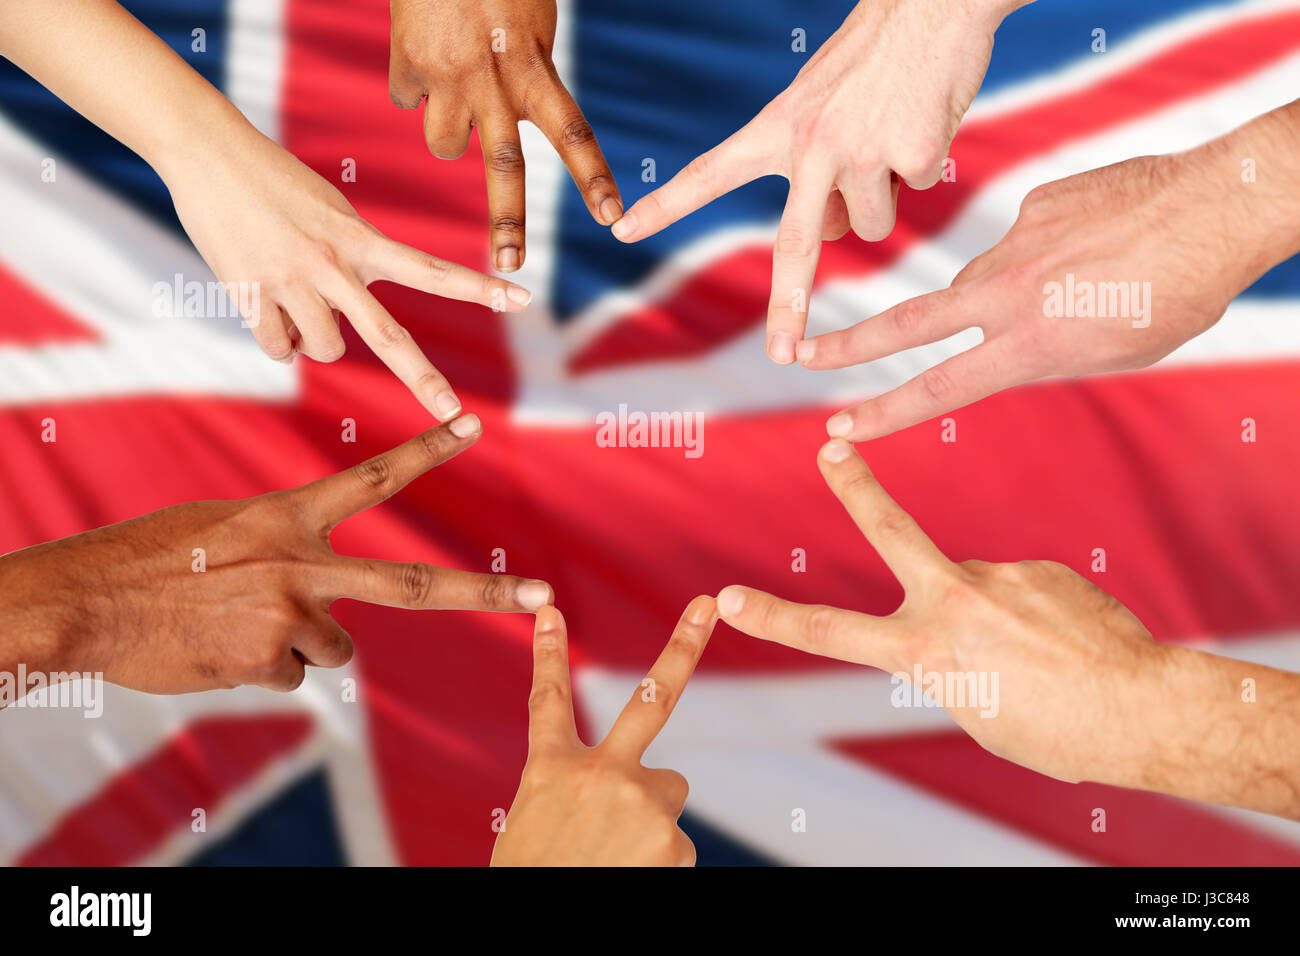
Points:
x=1160, y=265
x=1068, y=676
x=879, y=102
x=597, y=806
x=258, y=215
x=136, y=602
x=487, y=64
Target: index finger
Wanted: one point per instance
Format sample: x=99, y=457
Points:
x=559, y=117
x=794, y=262
x=417, y=269
x=814, y=628
x=905, y=548
x=737, y=160
x=397, y=349
x=331, y=500
x=656, y=696
x=550, y=702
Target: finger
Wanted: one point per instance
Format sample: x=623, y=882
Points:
x=910, y=554
x=272, y=335
x=558, y=116
x=794, y=263
x=329, y=501
x=837, y=218
x=321, y=340
x=286, y=675
x=814, y=628
x=656, y=696
x=870, y=199
x=966, y=377
x=740, y=159
x=418, y=586
x=395, y=347
x=503, y=159
x=327, y=645
x=446, y=130
x=685, y=850
x=919, y=321
x=671, y=787
x=418, y=270
x=550, y=702
x=405, y=88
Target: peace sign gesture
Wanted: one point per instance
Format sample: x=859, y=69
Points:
x=1033, y=661
x=598, y=806
x=214, y=594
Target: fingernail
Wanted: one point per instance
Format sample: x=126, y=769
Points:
x=610, y=210
x=447, y=404
x=701, y=610
x=839, y=425
x=625, y=226
x=730, y=601
x=805, y=350
x=533, y=595
x=781, y=348
x=519, y=295
x=836, y=450
x=507, y=259
x=465, y=426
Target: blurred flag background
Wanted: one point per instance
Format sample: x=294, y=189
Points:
x=1199, y=528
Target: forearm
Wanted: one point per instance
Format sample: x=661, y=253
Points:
x=1227, y=732
x=1251, y=182
x=114, y=71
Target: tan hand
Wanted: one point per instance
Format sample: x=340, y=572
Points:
x=1134, y=239
x=1073, y=674
x=598, y=806
x=258, y=215
x=880, y=102
x=487, y=64
x=139, y=601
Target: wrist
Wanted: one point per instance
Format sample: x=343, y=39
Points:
x=215, y=130
x=35, y=632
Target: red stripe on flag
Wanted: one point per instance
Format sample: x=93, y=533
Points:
x=145, y=804
x=1140, y=827
x=29, y=318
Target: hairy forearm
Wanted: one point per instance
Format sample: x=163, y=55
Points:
x=1226, y=731
x=1251, y=184
x=113, y=70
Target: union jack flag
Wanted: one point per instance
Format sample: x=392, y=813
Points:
x=1200, y=528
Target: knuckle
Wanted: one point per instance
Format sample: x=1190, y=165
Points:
x=392, y=335
x=795, y=242
x=438, y=269
x=821, y=625
x=700, y=169
x=506, y=222
x=322, y=254
x=547, y=693
x=576, y=132
x=938, y=384
x=331, y=349
x=495, y=591
x=506, y=158
x=433, y=442
x=377, y=473
x=417, y=583
x=893, y=524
